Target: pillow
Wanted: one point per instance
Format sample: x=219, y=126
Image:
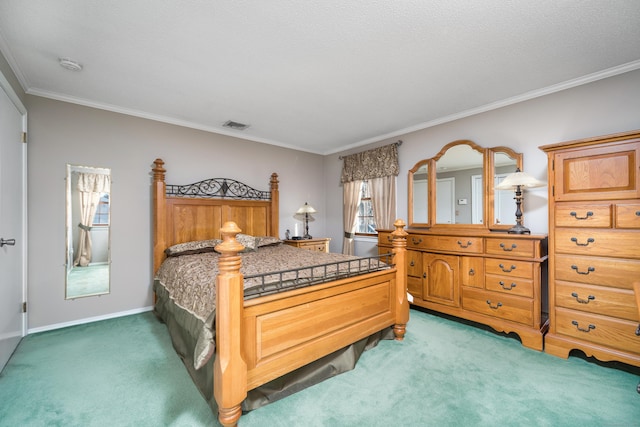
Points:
x=193, y=247
x=267, y=241
x=249, y=242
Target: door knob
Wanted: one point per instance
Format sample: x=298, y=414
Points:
x=8, y=242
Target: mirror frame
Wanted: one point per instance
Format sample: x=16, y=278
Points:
x=488, y=209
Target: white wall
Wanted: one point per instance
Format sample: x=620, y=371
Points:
x=61, y=133
x=602, y=107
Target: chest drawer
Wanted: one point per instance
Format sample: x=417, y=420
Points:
x=628, y=215
x=612, y=272
x=583, y=215
x=473, y=245
x=513, y=308
x=523, y=248
x=597, y=299
x=622, y=244
x=385, y=238
x=508, y=268
x=607, y=331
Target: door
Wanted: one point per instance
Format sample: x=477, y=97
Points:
x=445, y=209
x=12, y=223
x=440, y=279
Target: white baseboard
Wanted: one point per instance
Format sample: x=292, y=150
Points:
x=89, y=320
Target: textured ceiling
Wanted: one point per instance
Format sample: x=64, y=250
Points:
x=315, y=76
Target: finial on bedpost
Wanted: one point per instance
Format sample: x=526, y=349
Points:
x=158, y=170
x=399, y=259
x=229, y=367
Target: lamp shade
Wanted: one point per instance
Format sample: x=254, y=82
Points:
x=306, y=209
x=521, y=179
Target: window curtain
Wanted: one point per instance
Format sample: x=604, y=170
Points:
x=90, y=187
x=380, y=167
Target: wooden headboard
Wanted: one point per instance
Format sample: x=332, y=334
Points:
x=182, y=213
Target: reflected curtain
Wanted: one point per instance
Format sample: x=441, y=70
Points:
x=371, y=165
x=90, y=187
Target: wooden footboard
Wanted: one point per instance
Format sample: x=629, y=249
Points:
x=264, y=338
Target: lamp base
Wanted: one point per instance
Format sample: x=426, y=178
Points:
x=307, y=236
x=519, y=229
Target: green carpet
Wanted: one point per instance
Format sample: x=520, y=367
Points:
x=124, y=372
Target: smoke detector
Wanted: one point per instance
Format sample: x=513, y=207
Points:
x=70, y=64
x=235, y=125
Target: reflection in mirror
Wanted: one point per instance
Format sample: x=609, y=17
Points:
x=88, y=208
x=503, y=200
x=459, y=184
x=419, y=179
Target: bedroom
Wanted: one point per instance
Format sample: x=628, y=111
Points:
x=62, y=132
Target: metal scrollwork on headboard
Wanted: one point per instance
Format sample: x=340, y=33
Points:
x=223, y=188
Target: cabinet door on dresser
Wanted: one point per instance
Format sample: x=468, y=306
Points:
x=441, y=278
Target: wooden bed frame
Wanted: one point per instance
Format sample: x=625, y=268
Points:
x=263, y=338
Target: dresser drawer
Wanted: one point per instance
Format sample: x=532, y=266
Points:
x=508, y=307
x=385, y=238
x=612, y=272
x=414, y=264
x=511, y=247
x=628, y=215
x=469, y=245
x=583, y=215
x=603, y=330
x=597, y=299
x=508, y=267
x=621, y=244
x=509, y=285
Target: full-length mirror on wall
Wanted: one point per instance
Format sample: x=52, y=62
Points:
x=456, y=187
x=88, y=229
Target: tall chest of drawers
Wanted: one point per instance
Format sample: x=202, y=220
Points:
x=485, y=277
x=594, y=247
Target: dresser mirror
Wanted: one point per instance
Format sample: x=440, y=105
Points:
x=88, y=226
x=455, y=188
x=502, y=161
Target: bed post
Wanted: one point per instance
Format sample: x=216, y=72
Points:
x=159, y=214
x=274, y=207
x=399, y=259
x=229, y=369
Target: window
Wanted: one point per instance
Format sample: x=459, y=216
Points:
x=101, y=217
x=366, y=221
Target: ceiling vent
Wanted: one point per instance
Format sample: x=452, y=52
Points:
x=235, y=125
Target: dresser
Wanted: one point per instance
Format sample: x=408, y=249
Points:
x=493, y=278
x=318, y=245
x=594, y=247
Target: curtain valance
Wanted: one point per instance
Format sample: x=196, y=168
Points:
x=375, y=163
x=94, y=183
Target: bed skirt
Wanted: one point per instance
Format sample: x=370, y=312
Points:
x=184, y=330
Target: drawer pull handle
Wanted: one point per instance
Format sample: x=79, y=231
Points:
x=504, y=248
x=577, y=325
x=472, y=272
x=589, y=240
x=582, y=301
x=573, y=214
x=513, y=285
x=494, y=307
x=463, y=246
x=637, y=213
x=390, y=238
x=412, y=263
x=589, y=270
x=416, y=241
x=513, y=267
x=638, y=330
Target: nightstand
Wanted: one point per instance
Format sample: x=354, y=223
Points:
x=319, y=245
